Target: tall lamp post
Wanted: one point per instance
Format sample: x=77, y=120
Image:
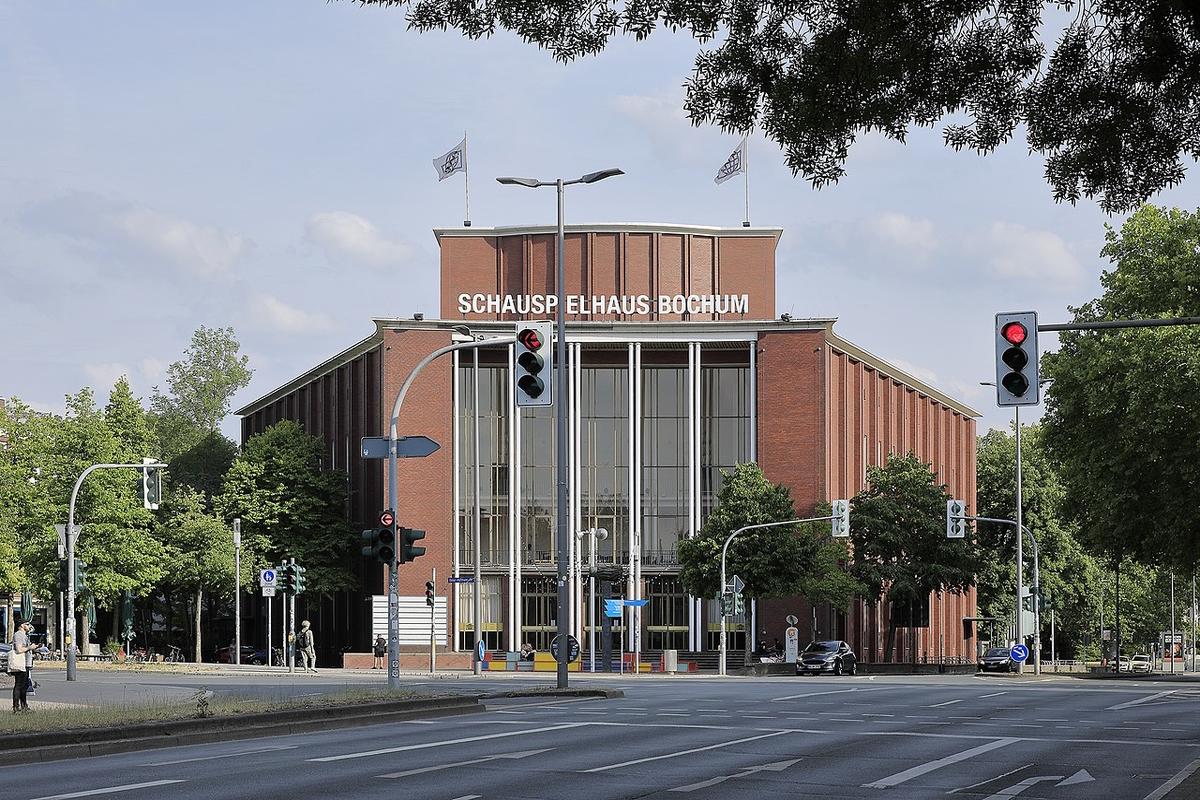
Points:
x=237, y=593
x=562, y=532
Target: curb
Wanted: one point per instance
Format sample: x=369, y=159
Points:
x=83, y=743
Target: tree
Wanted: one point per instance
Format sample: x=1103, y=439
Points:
x=290, y=506
x=1119, y=419
x=898, y=538
x=204, y=383
x=199, y=554
x=1112, y=108
x=1068, y=575
x=772, y=562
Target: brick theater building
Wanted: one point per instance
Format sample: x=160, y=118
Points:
x=678, y=368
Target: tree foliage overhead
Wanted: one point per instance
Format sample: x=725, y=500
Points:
x=1121, y=417
x=204, y=382
x=1112, y=107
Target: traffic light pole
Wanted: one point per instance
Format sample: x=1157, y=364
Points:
x=394, y=499
x=725, y=549
x=72, y=533
x=1037, y=605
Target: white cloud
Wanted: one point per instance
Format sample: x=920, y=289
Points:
x=204, y=249
x=102, y=377
x=125, y=232
x=349, y=236
x=1011, y=250
x=898, y=230
x=275, y=315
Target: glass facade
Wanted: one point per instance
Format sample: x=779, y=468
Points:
x=659, y=433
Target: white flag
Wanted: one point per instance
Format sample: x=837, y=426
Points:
x=452, y=162
x=734, y=165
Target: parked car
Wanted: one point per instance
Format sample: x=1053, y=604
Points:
x=1124, y=664
x=250, y=655
x=997, y=659
x=1141, y=663
x=4, y=648
x=832, y=656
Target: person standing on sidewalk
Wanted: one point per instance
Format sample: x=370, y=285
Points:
x=306, y=647
x=380, y=652
x=18, y=657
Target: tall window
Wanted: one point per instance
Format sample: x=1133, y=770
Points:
x=666, y=616
x=493, y=459
x=604, y=457
x=665, y=460
x=539, y=602
x=725, y=433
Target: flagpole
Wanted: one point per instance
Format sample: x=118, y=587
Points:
x=746, y=157
x=467, y=183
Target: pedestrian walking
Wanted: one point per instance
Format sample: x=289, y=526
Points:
x=18, y=658
x=380, y=652
x=306, y=647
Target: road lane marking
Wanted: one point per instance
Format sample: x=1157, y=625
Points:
x=1017, y=788
x=1184, y=774
x=446, y=742
x=993, y=694
x=831, y=691
x=238, y=754
x=921, y=769
x=1148, y=698
x=483, y=760
x=778, y=766
x=686, y=752
x=947, y=703
x=107, y=790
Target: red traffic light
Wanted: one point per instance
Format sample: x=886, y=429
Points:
x=1014, y=333
x=387, y=519
x=530, y=339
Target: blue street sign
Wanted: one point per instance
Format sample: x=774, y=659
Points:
x=1019, y=652
x=460, y=579
x=406, y=446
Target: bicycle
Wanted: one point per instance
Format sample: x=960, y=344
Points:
x=277, y=658
x=175, y=656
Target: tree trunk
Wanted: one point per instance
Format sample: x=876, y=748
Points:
x=889, y=643
x=199, y=600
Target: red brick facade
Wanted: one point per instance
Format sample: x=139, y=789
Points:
x=824, y=409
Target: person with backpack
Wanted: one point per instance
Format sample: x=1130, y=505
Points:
x=306, y=647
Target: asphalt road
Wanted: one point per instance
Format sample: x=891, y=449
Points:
x=972, y=737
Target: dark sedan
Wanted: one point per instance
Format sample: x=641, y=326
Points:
x=997, y=659
x=250, y=655
x=835, y=657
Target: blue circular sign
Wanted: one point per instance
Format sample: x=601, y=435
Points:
x=1019, y=652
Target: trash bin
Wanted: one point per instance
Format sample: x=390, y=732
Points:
x=670, y=661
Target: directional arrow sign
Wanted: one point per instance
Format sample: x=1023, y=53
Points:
x=737, y=584
x=406, y=446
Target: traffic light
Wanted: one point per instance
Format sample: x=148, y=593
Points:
x=62, y=577
x=408, y=550
x=287, y=578
x=150, y=491
x=381, y=542
x=841, y=518
x=726, y=603
x=1017, y=359
x=531, y=376
x=1031, y=600
x=739, y=603
x=956, y=526
x=80, y=575
x=429, y=593
x=298, y=577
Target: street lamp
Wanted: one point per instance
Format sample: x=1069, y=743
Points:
x=562, y=534
x=237, y=593
x=593, y=534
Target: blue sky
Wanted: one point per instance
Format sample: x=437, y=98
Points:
x=267, y=166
